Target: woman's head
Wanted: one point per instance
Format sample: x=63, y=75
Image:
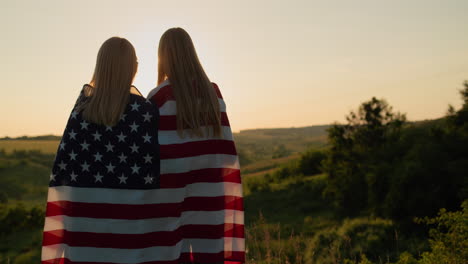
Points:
x=197, y=102
x=116, y=66
x=175, y=49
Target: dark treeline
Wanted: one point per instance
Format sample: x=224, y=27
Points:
x=387, y=183
x=44, y=137
x=380, y=165
x=374, y=194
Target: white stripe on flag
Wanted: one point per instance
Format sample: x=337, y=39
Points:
x=168, y=137
x=170, y=107
x=127, y=196
x=187, y=164
x=127, y=256
x=142, y=226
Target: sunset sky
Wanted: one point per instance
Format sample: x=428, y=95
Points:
x=278, y=63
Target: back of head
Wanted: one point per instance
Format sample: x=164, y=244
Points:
x=109, y=90
x=197, y=101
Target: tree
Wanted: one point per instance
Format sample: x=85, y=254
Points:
x=449, y=239
x=353, y=163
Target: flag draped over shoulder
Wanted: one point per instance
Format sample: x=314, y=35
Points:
x=104, y=204
x=211, y=220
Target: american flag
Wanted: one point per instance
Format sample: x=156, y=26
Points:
x=108, y=204
x=208, y=170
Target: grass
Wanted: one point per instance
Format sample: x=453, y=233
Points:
x=266, y=166
x=23, y=247
x=45, y=146
x=299, y=200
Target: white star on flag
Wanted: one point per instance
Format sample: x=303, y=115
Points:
x=97, y=136
x=134, y=148
x=122, y=179
x=135, y=106
x=134, y=127
x=97, y=157
x=121, y=137
x=135, y=169
x=62, y=165
x=62, y=145
x=147, y=117
x=72, y=134
x=73, y=176
x=110, y=167
x=85, y=166
x=110, y=147
x=84, y=145
x=147, y=138
x=52, y=177
x=148, y=158
x=148, y=179
x=122, y=158
x=98, y=177
x=84, y=125
x=74, y=113
x=72, y=155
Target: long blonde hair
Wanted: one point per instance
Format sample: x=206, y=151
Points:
x=109, y=89
x=197, y=101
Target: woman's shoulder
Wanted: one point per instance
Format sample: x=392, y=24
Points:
x=138, y=102
x=217, y=90
x=166, y=85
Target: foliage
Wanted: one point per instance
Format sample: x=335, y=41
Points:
x=371, y=237
x=264, y=144
x=20, y=233
x=357, y=150
x=44, y=146
x=449, y=238
x=378, y=170
x=280, y=151
x=379, y=164
x=18, y=217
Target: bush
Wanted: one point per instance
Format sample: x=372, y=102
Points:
x=18, y=217
x=310, y=162
x=449, y=238
x=373, y=238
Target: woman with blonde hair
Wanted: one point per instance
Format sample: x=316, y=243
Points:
x=101, y=205
x=199, y=163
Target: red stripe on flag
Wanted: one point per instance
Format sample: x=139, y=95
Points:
x=143, y=211
x=212, y=175
x=134, y=241
x=68, y=261
x=237, y=258
x=195, y=148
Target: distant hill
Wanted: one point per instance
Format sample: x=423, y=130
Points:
x=262, y=144
x=44, y=137
x=253, y=144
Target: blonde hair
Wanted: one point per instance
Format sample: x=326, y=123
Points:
x=197, y=101
x=109, y=89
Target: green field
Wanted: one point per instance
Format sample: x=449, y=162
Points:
x=45, y=146
x=25, y=165
x=290, y=216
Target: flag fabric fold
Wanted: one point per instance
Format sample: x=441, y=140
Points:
x=133, y=194
x=103, y=203
x=207, y=169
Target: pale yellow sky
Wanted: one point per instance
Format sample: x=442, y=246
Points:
x=278, y=63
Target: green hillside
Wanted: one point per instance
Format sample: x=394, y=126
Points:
x=377, y=189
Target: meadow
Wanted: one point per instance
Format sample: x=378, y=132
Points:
x=378, y=189
x=44, y=146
